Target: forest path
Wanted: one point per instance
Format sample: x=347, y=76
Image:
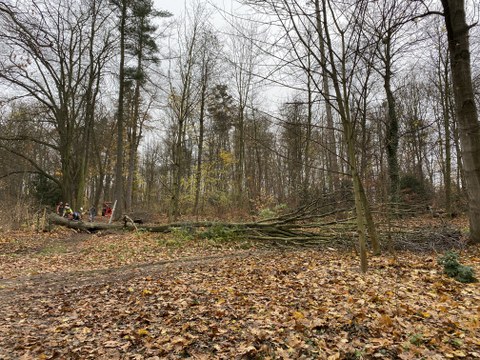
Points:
x=43, y=283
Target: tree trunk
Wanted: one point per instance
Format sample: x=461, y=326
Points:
x=120, y=117
x=90, y=104
x=391, y=137
x=331, y=141
x=466, y=111
x=370, y=224
x=308, y=135
x=349, y=139
x=239, y=195
x=360, y=206
x=174, y=208
x=198, y=175
x=445, y=98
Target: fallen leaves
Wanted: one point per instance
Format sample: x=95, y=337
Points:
x=27, y=254
x=308, y=304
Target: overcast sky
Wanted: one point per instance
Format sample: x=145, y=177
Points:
x=176, y=7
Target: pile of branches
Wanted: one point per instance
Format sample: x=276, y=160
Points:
x=438, y=239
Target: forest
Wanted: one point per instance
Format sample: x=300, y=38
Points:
x=214, y=114
x=254, y=132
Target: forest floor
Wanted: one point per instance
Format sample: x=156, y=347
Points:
x=66, y=295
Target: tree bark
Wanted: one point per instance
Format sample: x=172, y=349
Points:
x=120, y=116
x=331, y=141
x=337, y=75
x=466, y=110
x=445, y=99
x=198, y=174
x=392, y=137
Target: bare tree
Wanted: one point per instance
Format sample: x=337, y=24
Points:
x=244, y=59
x=443, y=108
x=122, y=10
x=50, y=58
x=342, y=37
x=208, y=53
x=184, y=96
x=394, y=36
x=466, y=109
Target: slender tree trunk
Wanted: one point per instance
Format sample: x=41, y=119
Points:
x=198, y=174
x=308, y=135
x=120, y=118
x=331, y=141
x=444, y=89
x=131, y=168
x=183, y=107
x=349, y=139
x=360, y=206
x=466, y=110
x=260, y=167
x=240, y=157
x=391, y=137
x=177, y=172
x=448, y=163
x=372, y=230
x=90, y=103
x=456, y=141
x=134, y=143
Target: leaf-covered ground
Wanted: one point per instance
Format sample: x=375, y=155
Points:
x=72, y=296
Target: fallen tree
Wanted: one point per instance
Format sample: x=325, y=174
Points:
x=254, y=229
x=317, y=220
x=300, y=227
x=84, y=226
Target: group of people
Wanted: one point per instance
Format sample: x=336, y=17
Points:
x=66, y=211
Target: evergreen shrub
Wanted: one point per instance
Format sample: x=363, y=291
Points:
x=453, y=268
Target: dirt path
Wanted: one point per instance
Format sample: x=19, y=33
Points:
x=10, y=289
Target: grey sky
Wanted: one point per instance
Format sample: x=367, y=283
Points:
x=176, y=7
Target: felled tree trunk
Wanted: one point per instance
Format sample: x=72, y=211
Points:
x=297, y=225
x=82, y=226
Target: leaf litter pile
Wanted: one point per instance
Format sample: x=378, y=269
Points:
x=141, y=297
